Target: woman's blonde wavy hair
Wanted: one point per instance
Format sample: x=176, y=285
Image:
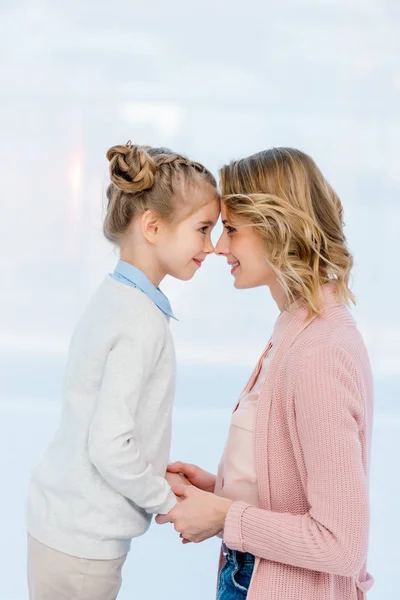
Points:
x=283, y=193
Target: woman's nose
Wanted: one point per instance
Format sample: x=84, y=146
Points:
x=222, y=246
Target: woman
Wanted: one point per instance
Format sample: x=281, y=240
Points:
x=291, y=494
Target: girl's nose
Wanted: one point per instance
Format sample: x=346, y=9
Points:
x=208, y=246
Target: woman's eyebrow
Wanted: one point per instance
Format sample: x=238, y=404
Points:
x=208, y=223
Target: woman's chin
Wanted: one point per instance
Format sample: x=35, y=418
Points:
x=242, y=284
x=237, y=284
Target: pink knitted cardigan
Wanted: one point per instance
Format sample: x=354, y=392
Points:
x=312, y=444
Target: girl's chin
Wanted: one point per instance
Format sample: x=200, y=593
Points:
x=185, y=273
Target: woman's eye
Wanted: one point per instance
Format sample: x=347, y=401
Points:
x=230, y=229
x=204, y=229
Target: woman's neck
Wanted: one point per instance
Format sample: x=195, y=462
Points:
x=279, y=295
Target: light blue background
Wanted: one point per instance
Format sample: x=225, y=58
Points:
x=216, y=80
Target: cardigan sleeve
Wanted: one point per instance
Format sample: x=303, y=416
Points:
x=332, y=537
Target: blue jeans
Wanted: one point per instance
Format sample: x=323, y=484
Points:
x=235, y=575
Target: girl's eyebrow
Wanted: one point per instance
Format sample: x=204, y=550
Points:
x=208, y=223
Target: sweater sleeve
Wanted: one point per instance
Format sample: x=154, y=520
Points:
x=113, y=445
x=332, y=537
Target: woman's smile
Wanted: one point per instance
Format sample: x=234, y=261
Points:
x=235, y=265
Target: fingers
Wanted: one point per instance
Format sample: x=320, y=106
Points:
x=182, y=490
x=181, y=467
x=175, y=467
x=176, y=478
x=163, y=519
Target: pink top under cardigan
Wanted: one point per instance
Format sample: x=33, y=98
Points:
x=237, y=478
x=312, y=444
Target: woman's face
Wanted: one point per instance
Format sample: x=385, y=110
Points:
x=244, y=250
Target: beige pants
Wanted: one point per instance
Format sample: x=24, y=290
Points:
x=53, y=575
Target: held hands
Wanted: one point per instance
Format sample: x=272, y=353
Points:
x=198, y=516
x=176, y=479
x=180, y=475
x=198, y=477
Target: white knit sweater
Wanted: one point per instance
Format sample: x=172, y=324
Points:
x=102, y=476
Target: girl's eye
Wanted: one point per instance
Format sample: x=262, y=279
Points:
x=230, y=229
x=204, y=229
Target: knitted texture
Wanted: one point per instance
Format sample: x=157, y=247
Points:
x=103, y=474
x=312, y=443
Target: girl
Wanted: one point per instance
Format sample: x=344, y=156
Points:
x=291, y=494
x=103, y=476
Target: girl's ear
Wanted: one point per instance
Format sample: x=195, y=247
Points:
x=150, y=225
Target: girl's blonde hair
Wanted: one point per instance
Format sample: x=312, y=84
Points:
x=147, y=178
x=283, y=193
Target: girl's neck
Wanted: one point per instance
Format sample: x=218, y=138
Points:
x=145, y=264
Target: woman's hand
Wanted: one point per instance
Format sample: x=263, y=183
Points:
x=198, y=477
x=199, y=515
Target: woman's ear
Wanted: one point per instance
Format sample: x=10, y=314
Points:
x=150, y=225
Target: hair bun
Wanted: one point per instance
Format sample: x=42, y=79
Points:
x=132, y=169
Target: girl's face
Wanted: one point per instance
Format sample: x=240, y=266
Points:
x=182, y=248
x=244, y=250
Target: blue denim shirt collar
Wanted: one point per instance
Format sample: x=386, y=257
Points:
x=130, y=275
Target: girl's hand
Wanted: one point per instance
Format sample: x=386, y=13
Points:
x=199, y=516
x=176, y=479
x=198, y=477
